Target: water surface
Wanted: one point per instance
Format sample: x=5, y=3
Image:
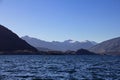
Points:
x=59, y=67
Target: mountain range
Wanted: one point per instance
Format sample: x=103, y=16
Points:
x=59, y=46
x=109, y=47
x=10, y=42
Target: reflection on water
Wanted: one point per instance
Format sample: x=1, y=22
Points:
x=59, y=67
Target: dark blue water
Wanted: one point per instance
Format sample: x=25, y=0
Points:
x=59, y=67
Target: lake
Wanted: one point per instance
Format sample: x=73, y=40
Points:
x=59, y=67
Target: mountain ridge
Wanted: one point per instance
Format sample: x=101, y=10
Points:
x=60, y=46
x=9, y=41
x=111, y=46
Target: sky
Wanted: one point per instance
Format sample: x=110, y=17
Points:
x=59, y=20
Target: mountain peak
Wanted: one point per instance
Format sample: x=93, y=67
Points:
x=85, y=41
x=70, y=41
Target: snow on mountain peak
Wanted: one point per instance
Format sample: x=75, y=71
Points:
x=70, y=41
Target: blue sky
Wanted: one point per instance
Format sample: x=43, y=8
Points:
x=49, y=20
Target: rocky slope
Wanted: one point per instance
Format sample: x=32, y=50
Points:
x=111, y=46
x=10, y=42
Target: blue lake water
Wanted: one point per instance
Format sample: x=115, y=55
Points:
x=59, y=67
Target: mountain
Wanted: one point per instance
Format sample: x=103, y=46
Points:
x=43, y=49
x=111, y=46
x=10, y=42
x=84, y=52
x=60, y=46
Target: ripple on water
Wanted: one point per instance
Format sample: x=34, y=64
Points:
x=32, y=67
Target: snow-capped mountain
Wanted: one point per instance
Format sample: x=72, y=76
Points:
x=56, y=45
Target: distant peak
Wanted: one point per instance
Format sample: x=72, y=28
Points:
x=85, y=41
x=27, y=37
x=70, y=41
